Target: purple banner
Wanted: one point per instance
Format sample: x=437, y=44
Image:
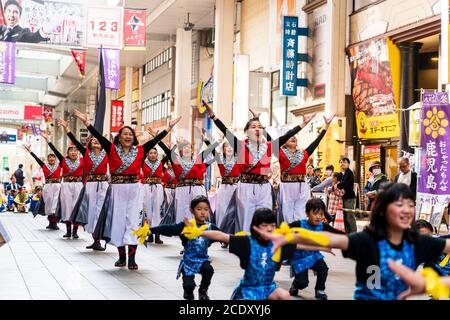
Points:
x=435, y=145
x=8, y=62
x=111, y=60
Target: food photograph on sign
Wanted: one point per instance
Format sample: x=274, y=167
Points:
x=50, y=22
x=373, y=93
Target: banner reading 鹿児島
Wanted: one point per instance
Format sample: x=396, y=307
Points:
x=433, y=186
x=373, y=91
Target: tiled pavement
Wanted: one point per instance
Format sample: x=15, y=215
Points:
x=40, y=264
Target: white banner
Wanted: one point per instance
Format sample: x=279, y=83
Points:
x=12, y=111
x=104, y=27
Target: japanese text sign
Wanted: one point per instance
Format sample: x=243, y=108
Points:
x=116, y=115
x=135, y=28
x=289, y=65
x=104, y=27
x=7, y=62
x=111, y=60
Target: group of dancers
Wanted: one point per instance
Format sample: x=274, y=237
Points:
x=166, y=194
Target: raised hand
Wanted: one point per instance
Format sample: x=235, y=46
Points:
x=307, y=119
x=415, y=281
x=209, y=109
x=328, y=121
x=152, y=132
x=82, y=116
x=64, y=124
x=45, y=136
x=255, y=114
x=172, y=123
x=27, y=147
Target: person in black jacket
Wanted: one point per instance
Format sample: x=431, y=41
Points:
x=349, y=198
x=12, y=31
x=19, y=175
x=407, y=176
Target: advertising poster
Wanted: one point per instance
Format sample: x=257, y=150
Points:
x=116, y=115
x=134, y=29
x=373, y=91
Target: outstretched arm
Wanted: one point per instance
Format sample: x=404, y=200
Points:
x=216, y=236
x=39, y=161
x=205, y=153
x=313, y=146
x=153, y=142
x=277, y=143
x=105, y=143
x=55, y=151
x=168, y=230
x=78, y=145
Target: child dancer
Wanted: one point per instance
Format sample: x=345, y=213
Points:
x=255, y=255
x=195, y=257
x=124, y=200
x=72, y=169
x=442, y=266
x=304, y=260
x=93, y=197
x=50, y=193
x=294, y=191
x=388, y=237
x=254, y=157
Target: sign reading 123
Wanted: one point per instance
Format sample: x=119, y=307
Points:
x=103, y=25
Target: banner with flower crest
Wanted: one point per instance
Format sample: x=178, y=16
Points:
x=433, y=190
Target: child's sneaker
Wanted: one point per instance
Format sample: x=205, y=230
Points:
x=321, y=295
x=188, y=295
x=293, y=291
x=203, y=294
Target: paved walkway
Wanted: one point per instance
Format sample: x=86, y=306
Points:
x=39, y=264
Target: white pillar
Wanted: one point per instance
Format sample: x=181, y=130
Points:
x=139, y=113
x=223, y=60
x=335, y=90
x=128, y=96
x=183, y=76
x=241, y=90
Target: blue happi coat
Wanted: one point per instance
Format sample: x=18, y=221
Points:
x=257, y=283
x=390, y=285
x=305, y=259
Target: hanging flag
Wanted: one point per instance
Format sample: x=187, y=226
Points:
x=36, y=130
x=111, y=60
x=47, y=114
x=80, y=60
x=100, y=100
x=8, y=62
x=135, y=29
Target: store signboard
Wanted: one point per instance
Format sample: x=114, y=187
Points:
x=8, y=136
x=49, y=22
x=116, y=115
x=20, y=112
x=373, y=93
x=289, y=67
x=104, y=27
x=134, y=29
x=434, y=175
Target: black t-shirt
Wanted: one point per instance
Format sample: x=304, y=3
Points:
x=326, y=227
x=363, y=248
x=240, y=246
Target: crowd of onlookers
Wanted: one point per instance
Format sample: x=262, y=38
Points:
x=16, y=194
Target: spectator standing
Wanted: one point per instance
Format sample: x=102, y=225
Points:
x=374, y=183
x=315, y=180
x=407, y=176
x=349, y=198
x=335, y=195
x=19, y=175
x=327, y=182
x=5, y=178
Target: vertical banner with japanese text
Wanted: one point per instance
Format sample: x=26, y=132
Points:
x=289, y=67
x=134, y=29
x=373, y=91
x=8, y=62
x=116, y=115
x=433, y=185
x=111, y=60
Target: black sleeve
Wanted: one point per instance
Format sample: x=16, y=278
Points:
x=313, y=146
x=428, y=249
x=287, y=252
x=283, y=139
x=232, y=139
x=295, y=224
x=346, y=180
x=39, y=161
x=105, y=143
x=205, y=153
x=57, y=153
x=153, y=142
x=240, y=246
x=328, y=228
x=268, y=136
x=77, y=143
x=358, y=245
x=168, y=230
x=163, y=146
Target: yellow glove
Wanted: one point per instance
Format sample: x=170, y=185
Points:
x=242, y=234
x=142, y=232
x=445, y=261
x=192, y=231
x=434, y=286
x=284, y=229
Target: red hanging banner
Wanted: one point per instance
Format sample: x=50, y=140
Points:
x=80, y=60
x=134, y=29
x=116, y=115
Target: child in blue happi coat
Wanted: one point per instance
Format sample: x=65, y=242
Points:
x=255, y=255
x=22, y=200
x=388, y=238
x=442, y=265
x=195, y=257
x=35, y=198
x=304, y=260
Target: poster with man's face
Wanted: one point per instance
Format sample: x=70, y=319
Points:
x=50, y=22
